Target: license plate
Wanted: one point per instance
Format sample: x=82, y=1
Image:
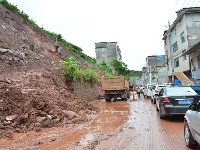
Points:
x=184, y=102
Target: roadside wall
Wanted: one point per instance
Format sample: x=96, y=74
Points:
x=87, y=91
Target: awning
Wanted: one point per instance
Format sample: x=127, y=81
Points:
x=183, y=78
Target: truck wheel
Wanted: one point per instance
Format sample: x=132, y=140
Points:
x=108, y=100
x=124, y=99
x=128, y=95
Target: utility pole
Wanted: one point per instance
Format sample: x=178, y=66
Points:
x=150, y=74
x=171, y=54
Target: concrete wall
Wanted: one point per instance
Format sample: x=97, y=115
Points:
x=158, y=71
x=107, y=51
x=87, y=91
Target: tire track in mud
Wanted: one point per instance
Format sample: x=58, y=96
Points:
x=145, y=130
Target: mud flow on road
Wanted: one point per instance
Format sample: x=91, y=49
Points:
x=112, y=116
x=127, y=125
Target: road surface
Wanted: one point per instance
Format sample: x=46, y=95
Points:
x=121, y=125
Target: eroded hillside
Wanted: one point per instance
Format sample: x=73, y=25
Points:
x=29, y=97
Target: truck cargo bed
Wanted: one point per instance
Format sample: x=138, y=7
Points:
x=114, y=83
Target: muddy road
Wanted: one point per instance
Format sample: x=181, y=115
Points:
x=127, y=125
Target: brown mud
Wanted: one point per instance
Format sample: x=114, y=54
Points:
x=128, y=125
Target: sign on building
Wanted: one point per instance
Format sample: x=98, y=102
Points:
x=160, y=57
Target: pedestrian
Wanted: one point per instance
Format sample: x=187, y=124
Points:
x=135, y=96
x=56, y=45
x=138, y=90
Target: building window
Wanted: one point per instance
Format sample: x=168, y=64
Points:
x=181, y=22
x=182, y=37
x=184, y=56
x=175, y=47
x=173, y=32
x=176, y=62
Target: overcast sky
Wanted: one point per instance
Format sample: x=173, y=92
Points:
x=136, y=26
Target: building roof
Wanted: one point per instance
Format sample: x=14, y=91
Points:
x=192, y=49
x=180, y=14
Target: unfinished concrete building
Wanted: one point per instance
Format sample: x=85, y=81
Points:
x=155, y=71
x=107, y=51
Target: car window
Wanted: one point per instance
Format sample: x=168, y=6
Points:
x=160, y=87
x=150, y=86
x=179, y=91
x=161, y=92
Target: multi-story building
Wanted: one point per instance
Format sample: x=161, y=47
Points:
x=155, y=70
x=181, y=35
x=107, y=51
x=194, y=54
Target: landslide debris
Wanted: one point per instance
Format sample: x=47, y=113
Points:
x=29, y=97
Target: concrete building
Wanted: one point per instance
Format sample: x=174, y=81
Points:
x=181, y=35
x=107, y=51
x=155, y=70
x=194, y=55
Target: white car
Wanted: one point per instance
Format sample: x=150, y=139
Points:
x=155, y=91
x=147, y=90
x=192, y=126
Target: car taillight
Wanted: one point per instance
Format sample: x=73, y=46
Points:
x=166, y=100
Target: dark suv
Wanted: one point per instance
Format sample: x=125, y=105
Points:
x=192, y=126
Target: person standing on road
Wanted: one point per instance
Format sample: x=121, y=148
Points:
x=138, y=91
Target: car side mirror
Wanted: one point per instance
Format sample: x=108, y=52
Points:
x=193, y=107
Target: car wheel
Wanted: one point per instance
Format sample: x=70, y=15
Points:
x=154, y=100
x=162, y=116
x=189, y=140
x=157, y=108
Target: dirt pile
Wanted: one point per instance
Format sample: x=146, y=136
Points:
x=30, y=97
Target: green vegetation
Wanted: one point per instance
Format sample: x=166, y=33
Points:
x=55, y=81
x=118, y=68
x=72, y=71
x=106, y=68
x=36, y=46
x=71, y=68
x=73, y=48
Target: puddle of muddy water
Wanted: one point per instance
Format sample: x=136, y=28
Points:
x=112, y=115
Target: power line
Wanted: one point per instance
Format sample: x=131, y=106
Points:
x=193, y=2
x=176, y=2
x=183, y=3
x=198, y=3
x=188, y=3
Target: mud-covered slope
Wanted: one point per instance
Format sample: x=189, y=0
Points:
x=29, y=97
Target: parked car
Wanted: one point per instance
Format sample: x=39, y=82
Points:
x=192, y=126
x=175, y=100
x=155, y=91
x=147, y=90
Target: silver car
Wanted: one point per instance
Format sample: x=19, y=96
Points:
x=192, y=126
x=175, y=100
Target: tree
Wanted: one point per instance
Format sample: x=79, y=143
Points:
x=120, y=68
x=106, y=68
